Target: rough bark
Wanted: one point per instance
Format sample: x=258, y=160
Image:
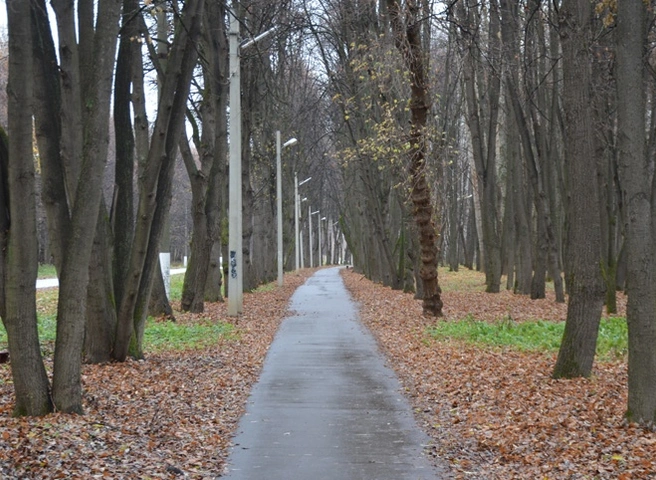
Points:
x=88, y=149
x=101, y=310
x=523, y=224
x=122, y=215
x=214, y=280
x=114, y=230
x=4, y=215
x=216, y=196
x=583, y=253
x=407, y=35
x=28, y=372
x=638, y=192
x=158, y=302
x=201, y=243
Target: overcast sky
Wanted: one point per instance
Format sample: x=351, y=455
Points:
x=3, y=18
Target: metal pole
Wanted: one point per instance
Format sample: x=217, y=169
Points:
x=320, y=256
x=310, y=228
x=300, y=243
x=235, y=284
x=296, y=234
x=279, y=205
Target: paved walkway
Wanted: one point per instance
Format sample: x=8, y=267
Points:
x=54, y=282
x=326, y=407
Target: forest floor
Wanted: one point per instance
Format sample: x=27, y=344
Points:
x=493, y=413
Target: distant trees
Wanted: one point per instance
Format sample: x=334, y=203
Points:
x=548, y=178
x=482, y=89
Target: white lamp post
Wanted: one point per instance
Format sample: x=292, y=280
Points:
x=310, y=213
x=300, y=233
x=235, y=249
x=297, y=213
x=288, y=143
x=320, y=255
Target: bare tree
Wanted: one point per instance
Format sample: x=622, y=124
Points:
x=210, y=139
x=87, y=69
x=583, y=254
x=407, y=35
x=19, y=275
x=155, y=184
x=483, y=118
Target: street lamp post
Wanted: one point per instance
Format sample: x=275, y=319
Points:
x=234, y=216
x=235, y=249
x=300, y=234
x=310, y=213
x=320, y=255
x=279, y=147
x=297, y=213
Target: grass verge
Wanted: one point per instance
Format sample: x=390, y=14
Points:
x=159, y=335
x=167, y=335
x=541, y=335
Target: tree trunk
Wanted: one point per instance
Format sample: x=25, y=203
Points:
x=4, y=216
x=28, y=372
x=47, y=123
x=155, y=179
x=408, y=42
x=158, y=302
x=123, y=200
x=522, y=208
x=217, y=191
x=547, y=251
x=484, y=143
x=214, y=280
x=205, y=181
x=86, y=163
x=193, y=289
x=583, y=253
x=101, y=310
x=508, y=236
x=635, y=178
x=111, y=251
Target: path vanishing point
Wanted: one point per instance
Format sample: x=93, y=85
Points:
x=326, y=407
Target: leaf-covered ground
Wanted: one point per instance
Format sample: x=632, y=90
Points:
x=492, y=413
x=170, y=416
x=497, y=414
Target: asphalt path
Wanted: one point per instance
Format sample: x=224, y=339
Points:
x=326, y=407
x=54, y=282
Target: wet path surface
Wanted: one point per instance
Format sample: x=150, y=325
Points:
x=326, y=407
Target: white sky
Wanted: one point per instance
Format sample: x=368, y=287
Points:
x=3, y=18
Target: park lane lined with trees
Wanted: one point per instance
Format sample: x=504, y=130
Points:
x=517, y=137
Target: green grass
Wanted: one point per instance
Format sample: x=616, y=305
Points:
x=267, y=287
x=176, y=287
x=159, y=336
x=540, y=335
x=164, y=336
x=47, y=271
